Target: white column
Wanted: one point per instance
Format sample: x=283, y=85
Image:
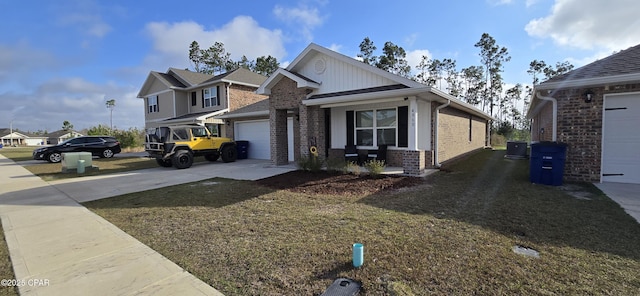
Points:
x=413, y=123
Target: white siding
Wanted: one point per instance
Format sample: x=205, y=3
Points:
x=341, y=76
x=339, y=122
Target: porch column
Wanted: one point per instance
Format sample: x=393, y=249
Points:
x=279, y=141
x=413, y=123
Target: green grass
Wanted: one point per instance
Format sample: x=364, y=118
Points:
x=18, y=153
x=53, y=171
x=451, y=236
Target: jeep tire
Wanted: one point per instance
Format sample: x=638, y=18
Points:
x=182, y=159
x=164, y=163
x=229, y=153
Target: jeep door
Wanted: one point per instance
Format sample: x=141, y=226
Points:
x=200, y=139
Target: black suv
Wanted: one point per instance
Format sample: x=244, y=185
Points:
x=102, y=146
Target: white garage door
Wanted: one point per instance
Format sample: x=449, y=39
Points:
x=257, y=133
x=621, y=139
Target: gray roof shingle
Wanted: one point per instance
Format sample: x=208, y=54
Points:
x=624, y=62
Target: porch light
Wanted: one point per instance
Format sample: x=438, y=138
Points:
x=588, y=96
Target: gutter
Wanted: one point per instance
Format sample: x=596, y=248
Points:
x=555, y=114
x=435, y=136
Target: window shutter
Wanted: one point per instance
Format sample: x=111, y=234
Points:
x=203, y=98
x=217, y=95
x=403, y=126
x=350, y=128
x=194, y=98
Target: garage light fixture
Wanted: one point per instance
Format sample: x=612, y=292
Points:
x=588, y=96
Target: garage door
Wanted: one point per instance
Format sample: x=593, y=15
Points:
x=257, y=133
x=621, y=139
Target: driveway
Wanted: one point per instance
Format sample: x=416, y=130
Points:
x=626, y=195
x=90, y=188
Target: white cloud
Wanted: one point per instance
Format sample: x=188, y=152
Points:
x=499, y=2
x=589, y=24
x=414, y=57
x=242, y=36
x=303, y=17
x=335, y=47
x=75, y=99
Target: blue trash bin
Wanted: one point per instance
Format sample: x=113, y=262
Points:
x=243, y=149
x=546, y=165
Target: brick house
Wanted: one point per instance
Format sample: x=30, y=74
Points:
x=186, y=97
x=595, y=111
x=328, y=100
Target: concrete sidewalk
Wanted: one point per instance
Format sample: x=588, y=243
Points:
x=626, y=195
x=58, y=247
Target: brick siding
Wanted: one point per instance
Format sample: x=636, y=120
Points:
x=580, y=127
x=242, y=95
x=453, y=133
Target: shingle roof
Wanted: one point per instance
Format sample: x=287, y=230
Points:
x=240, y=75
x=623, y=62
x=60, y=133
x=255, y=107
x=192, y=78
x=172, y=81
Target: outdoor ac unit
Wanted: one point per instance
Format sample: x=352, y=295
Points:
x=70, y=160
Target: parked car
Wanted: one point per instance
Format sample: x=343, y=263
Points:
x=102, y=146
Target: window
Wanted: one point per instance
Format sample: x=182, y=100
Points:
x=152, y=103
x=376, y=127
x=199, y=131
x=210, y=97
x=213, y=129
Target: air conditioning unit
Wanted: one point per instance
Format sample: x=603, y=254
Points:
x=70, y=161
x=516, y=150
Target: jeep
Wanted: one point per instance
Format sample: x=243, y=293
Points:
x=177, y=146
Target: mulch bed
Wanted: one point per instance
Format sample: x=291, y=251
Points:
x=334, y=183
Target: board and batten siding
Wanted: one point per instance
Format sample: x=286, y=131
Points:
x=340, y=76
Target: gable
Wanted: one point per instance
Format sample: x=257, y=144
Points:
x=335, y=75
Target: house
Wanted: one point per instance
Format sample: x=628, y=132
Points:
x=186, y=97
x=594, y=110
x=12, y=137
x=329, y=100
x=60, y=136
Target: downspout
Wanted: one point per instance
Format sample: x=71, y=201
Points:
x=555, y=114
x=435, y=131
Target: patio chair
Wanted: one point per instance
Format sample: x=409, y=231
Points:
x=380, y=154
x=351, y=153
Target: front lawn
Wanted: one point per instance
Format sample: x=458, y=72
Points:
x=454, y=234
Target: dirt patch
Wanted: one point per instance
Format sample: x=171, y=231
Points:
x=331, y=183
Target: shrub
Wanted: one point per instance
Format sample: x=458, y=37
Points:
x=335, y=164
x=375, y=167
x=353, y=168
x=310, y=163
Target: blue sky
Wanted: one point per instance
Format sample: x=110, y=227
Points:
x=62, y=60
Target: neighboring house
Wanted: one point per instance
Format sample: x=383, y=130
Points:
x=60, y=136
x=328, y=100
x=10, y=139
x=20, y=139
x=595, y=110
x=186, y=97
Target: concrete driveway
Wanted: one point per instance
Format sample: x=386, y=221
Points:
x=626, y=195
x=89, y=188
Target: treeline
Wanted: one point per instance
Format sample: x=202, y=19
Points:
x=479, y=85
x=216, y=60
x=131, y=138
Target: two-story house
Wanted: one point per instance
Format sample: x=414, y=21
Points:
x=186, y=97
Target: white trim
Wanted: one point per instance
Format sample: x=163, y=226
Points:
x=336, y=55
x=265, y=87
x=617, y=79
x=356, y=103
x=245, y=114
x=352, y=99
x=604, y=104
x=554, y=119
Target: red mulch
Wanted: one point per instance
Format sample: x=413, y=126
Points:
x=333, y=183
